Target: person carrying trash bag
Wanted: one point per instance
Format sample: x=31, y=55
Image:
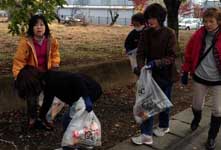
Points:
x=202, y=61
x=156, y=50
x=68, y=87
x=132, y=40
x=150, y=99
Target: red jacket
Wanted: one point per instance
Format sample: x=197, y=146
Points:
x=195, y=48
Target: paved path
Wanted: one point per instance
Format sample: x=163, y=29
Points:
x=180, y=136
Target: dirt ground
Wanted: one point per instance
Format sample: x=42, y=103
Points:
x=80, y=46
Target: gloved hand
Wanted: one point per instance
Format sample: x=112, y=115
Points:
x=184, y=78
x=150, y=65
x=88, y=103
x=136, y=71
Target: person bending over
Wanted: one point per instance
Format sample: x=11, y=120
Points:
x=66, y=86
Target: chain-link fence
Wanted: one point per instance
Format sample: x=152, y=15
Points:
x=107, y=20
x=95, y=20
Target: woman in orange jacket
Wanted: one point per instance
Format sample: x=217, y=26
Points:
x=39, y=49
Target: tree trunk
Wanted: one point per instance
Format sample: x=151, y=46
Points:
x=113, y=18
x=173, y=9
x=58, y=19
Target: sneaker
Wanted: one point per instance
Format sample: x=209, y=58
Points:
x=142, y=139
x=161, y=131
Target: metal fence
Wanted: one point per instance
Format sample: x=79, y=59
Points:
x=107, y=20
x=99, y=20
x=101, y=2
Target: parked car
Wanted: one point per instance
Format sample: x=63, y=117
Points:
x=190, y=23
x=72, y=18
x=3, y=16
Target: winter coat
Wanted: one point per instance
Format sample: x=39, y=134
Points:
x=160, y=46
x=132, y=40
x=68, y=87
x=26, y=54
x=195, y=48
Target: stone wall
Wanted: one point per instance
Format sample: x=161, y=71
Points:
x=109, y=75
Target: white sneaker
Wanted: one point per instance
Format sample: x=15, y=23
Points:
x=142, y=139
x=161, y=131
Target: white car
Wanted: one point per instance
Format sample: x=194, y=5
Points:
x=69, y=18
x=189, y=23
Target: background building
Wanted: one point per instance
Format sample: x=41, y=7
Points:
x=3, y=16
x=98, y=11
x=101, y=2
x=211, y=3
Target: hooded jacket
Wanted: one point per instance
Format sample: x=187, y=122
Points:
x=26, y=54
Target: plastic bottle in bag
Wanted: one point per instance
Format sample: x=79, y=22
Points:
x=78, y=135
x=93, y=133
x=95, y=128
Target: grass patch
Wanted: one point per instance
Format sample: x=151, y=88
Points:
x=79, y=44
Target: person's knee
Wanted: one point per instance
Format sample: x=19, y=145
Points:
x=198, y=106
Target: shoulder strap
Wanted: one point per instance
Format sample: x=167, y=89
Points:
x=205, y=54
x=208, y=50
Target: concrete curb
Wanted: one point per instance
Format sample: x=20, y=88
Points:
x=108, y=74
x=180, y=137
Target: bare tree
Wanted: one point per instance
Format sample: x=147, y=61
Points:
x=173, y=11
x=113, y=17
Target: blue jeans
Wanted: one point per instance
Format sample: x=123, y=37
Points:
x=66, y=119
x=147, y=126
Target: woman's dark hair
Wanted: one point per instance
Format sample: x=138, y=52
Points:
x=155, y=11
x=33, y=21
x=28, y=82
x=138, y=17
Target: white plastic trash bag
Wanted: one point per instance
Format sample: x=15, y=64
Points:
x=84, y=128
x=150, y=99
x=132, y=57
x=56, y=107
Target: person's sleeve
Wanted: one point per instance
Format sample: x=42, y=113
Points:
x=55, y=54
x=140, y=51
x=171, y=52
x=186, y=66
x=20, y=58
x=128, y=42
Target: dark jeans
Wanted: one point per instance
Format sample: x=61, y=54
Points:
x=66, y=119
x=32, y=107
x=147, y=126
